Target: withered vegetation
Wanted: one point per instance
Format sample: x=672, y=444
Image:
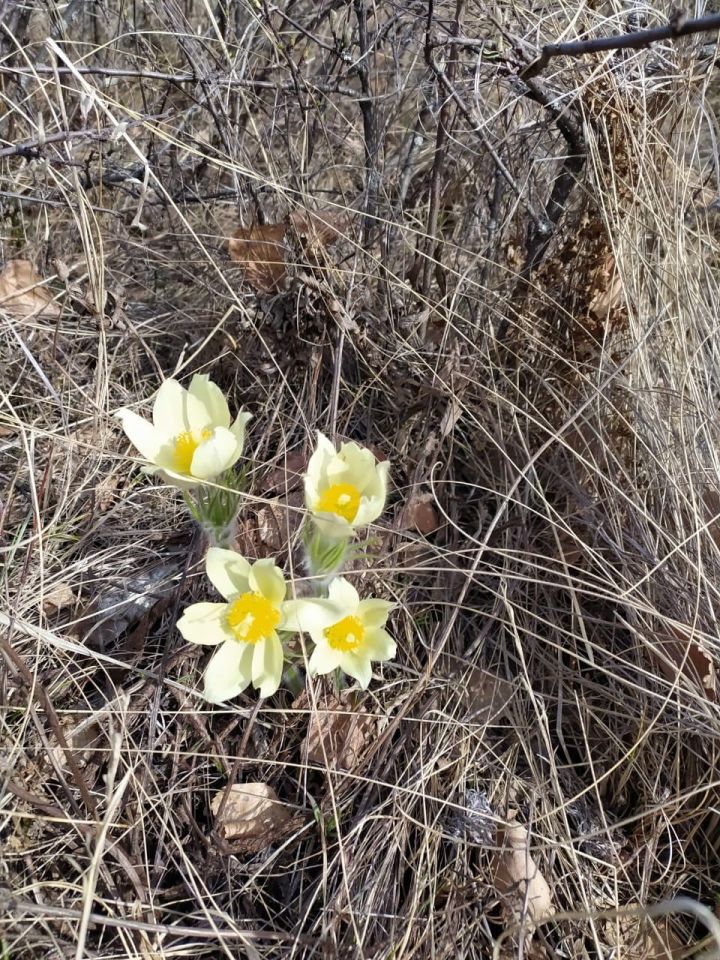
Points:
x=360, y=218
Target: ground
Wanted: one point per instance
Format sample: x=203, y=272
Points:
x=362, y=218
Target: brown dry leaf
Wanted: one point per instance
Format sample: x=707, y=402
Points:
x=252, y=818
x=419, y=514
x=517, y=876
x=22, y=293
x=60, y=597
x=262, y=249
x=681, y=650
x=338, y=734
x=316, y=231
x=484, y=695
x=288, y=474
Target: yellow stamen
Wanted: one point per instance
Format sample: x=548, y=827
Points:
x=252, y=617
x=347, y=634
x=340, y=498
x=185, y=446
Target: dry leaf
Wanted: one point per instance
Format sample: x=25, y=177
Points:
x=288, y=474
x=681, y=650
x=317, y=231
x=252, y=817
x=517, y=876
x=338, y=734
x=130, y=607
x=58, y=598
x=484, y=695
x=419, y=514
x=262, y=250
x=22, y=293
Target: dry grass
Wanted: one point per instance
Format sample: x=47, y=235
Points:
x=557, y=631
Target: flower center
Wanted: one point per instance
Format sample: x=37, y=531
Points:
x=346, y=634
x=340, y=498
x=185, y=446
x=252, y=617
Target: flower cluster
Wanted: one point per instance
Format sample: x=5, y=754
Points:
x=191, y=444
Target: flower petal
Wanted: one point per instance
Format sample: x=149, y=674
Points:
x=141, y=434
x=211, y=397
x=229, y=672
x=267, y=665
x=238, y=429
x=344, y=595
x=379, y=645
x=357, y=466
x=324, y=659
x=316, y=474
x=309, y=616
x=216, y=455
x=374, y=613
x=227, y=571
x=357, y=666
x=332, y=526
x=267, y=579
x=204, y=623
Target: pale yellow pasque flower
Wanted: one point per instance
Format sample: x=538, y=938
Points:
x=191, y=438
x=245, y=627
x=344, y=489
x=348, y=632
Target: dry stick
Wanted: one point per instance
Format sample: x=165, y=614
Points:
x=441, y=137
x=678, y=26
x=564, y=183
x=369, y=126
x=222, y=79
x=30, y=149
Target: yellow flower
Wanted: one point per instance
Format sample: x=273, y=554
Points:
x=348, y=632
x=344, y=489
x=191, y=438
x=245, y=626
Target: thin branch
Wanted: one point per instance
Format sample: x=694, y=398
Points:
x=368, y=114
x=677, y=26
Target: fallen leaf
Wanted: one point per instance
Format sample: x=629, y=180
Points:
x=485, y=696
x=252, y=817
x=263, y=249
x=130, y=608
x=338, y=734
x=58, y=598
x=22, y=293
x=288, y=474
x=419, y=514
x=316, y=231
x=261, y=252
x=516, y=875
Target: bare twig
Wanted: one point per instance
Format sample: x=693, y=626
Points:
x=677, y=26
x=440, y=139
x=369, y=125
